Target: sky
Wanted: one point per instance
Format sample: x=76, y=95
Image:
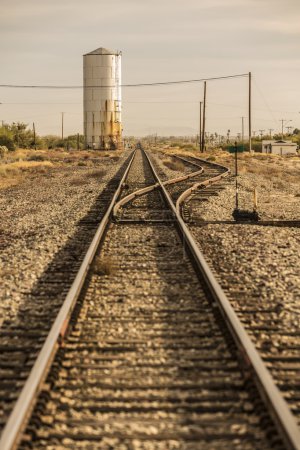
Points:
x=42, y=42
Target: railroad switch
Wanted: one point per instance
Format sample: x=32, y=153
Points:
x=243, y=215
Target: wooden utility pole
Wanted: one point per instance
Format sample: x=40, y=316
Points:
x=282, y=123
x=249, y=114
x=200, y=128
x=34, y=141
x=282, y=120
x=77, y=141
x=203, y=127
x=243, y=130
x=270, y=131
x=62, y=126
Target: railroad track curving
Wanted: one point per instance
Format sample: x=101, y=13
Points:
x=190, y=193
x=146, y=352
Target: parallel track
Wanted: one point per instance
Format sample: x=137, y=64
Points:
x=152, y=356
x=22, y=339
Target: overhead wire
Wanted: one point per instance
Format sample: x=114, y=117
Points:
x=265, y=101
x=157, y=83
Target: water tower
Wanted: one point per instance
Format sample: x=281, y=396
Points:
x=102, y=99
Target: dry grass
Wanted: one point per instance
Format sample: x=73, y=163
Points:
x=78, y=181
x=17, y=166
x=173, y=164
x=114, y=157
x=104, y=265
x=280, y=169
x=14, y=173
x=97, y=173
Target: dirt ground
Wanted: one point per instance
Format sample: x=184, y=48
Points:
x=17, y=166
x=274, y=178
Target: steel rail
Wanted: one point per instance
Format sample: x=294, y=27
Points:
x=205, y=183
x=150, y=188
x=201, y=161
x=185, y=160
x=275, y=403
x=196, y=186
x=20, y=414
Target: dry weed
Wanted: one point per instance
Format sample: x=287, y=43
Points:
x=104, y=265
x=97, y=173
x=78, y=181
x=174, y=164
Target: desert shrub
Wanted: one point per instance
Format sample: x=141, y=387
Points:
x=78, y=181
x=98, y=173
x=36, y=157
x=3, y=151
x=104, y=265
x=81, y=164
x=174, y=164
x=211, y=158
x=7, y=142
x=188, y=146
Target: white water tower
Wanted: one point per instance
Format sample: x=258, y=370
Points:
x=102, y=99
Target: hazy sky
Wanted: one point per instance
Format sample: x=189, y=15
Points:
x=42, y=42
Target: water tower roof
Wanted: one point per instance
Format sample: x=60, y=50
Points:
x=103, y=51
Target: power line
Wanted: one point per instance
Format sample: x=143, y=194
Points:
x=41, y=103
x=124, y=102
x=265, y=101
x=159, y=83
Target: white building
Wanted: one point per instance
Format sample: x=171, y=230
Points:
x=102, y=99
x=280, y=147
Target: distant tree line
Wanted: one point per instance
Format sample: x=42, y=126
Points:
x=19, y=135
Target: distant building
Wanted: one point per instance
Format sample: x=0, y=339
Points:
x=280, y=147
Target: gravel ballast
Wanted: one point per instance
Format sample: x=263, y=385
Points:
x=37, y=219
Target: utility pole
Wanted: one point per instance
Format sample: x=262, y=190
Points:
x=261, y=132
x=236, y=178
x=62, y=126
x=2, y=120
x=270, y=132
x=200, y=128
x=203, y=127
x=34, y=142
x=243, y=130
x=77, y=141
x=282, y=122
x=249, y=113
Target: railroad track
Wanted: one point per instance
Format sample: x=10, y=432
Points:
x=273, y=325
x=146, y=352
x=190, y=193
x=22, y=339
